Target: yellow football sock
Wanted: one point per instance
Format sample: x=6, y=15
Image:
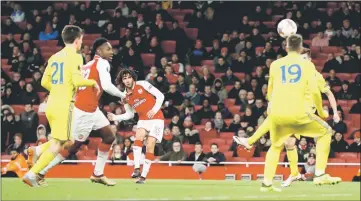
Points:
x=261, y=131
x=43, y=161
x=322, y=152
x=272, y=159
x=292, y=156
x=44, y=147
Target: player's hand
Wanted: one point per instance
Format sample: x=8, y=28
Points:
x=336, y=118
x=111, y=116
x=97, y=88
x=150, y=114
x=323, y=114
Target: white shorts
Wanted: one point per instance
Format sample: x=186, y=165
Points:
x=84, y=122
x=155, y=128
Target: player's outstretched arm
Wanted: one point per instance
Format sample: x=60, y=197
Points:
x=46, y=80
x=129, y=114
x=156, y=93
x=106, y=81
x=325, y=88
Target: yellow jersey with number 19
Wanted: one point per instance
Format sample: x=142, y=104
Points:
x=291, y=78
x=62, y=77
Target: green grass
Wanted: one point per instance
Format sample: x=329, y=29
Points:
x=83, y=189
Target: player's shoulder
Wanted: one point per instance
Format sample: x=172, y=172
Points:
x=103, y=63
x=145, y=84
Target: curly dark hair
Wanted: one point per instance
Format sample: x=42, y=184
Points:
x=123, y=73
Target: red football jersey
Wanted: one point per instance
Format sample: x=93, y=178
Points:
x=87, y=99
x=142, y=101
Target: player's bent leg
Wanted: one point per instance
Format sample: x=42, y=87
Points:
x=103, y=153
x=248, y=142
x=292, y=156
x=30, y=177
x=320, y=129
x=149, y=157
x=140, y=134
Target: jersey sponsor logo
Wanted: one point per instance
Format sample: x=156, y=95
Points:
x=138, y=102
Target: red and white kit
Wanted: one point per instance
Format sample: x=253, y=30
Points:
x=87, y=115
x=142, y=100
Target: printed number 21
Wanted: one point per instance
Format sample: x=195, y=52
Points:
x=294, y=70
x=59, y=69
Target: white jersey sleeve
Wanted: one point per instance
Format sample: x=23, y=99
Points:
x=103, y=68
x=159, y=96
x=129, y=114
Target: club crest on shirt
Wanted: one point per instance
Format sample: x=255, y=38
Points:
x=140, y=91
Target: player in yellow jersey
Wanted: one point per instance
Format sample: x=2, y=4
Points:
x=61, y=78
x=291, y=79
x=290, y=143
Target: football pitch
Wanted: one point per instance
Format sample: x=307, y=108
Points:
x=83, y=189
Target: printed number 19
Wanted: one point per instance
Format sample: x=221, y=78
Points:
x=294, y=70
x=54, y=77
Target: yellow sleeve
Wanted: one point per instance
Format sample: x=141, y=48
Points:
x=46, y=80
x=77, y=78
x=270, y=84
x=313, y=87
x=321, y=83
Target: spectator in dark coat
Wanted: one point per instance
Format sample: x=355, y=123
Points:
x=233, y=93
x=258, y=109
x=29, y=121
x=198, y=154
x=7, y=46
x=339, y=127
x=9, y=27
x=356, y=145
x=18, y=144
x=110, y=33
x=339, y=144
x=209, y=95
x=332, y=79
x=356, y=108
x=177, y=153
x=206, y=111
x=345, y=93
x=226, y=114
x=331, y=63
x=161, y=83
x=215, y=157
x=229, y=78
x=174, y=95
x=9, y=127
x=256, y=38
x=197, y=54
x=236, y=124
x=30, y=95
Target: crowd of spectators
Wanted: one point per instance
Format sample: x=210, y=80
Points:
x=229, y=37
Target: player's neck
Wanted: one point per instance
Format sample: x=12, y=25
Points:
x=71, y=47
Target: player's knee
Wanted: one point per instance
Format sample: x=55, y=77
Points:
x=151, y=141
x=290, y=143
x=108, y=138
x=140, y=134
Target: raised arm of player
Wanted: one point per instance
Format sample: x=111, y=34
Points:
x=159, y=96
x=103, y=68
x=129, y=114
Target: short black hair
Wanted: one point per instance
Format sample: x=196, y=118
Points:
x=214, y=144
x=97, y=43
x=198, y=143
x=70, y=33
